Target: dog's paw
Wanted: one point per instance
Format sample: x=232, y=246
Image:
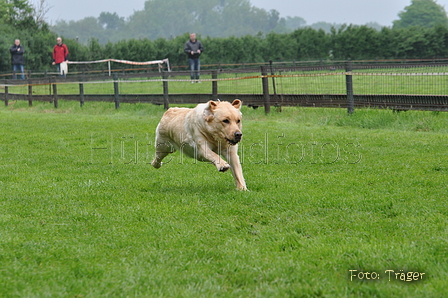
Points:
x=242, y=188
x=224, y=168
x=155, y=164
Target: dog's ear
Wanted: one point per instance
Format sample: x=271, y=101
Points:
x=213, y=105
x=209, y=110
x=237, y=104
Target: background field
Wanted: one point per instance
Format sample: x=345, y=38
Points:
x=83, y=214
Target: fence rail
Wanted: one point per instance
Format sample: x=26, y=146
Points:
x=399, y=86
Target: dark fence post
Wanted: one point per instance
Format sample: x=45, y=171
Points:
x=30, y=93
x=265, y=82
x=6, y=96
x=349, y=86
x=166, y=103
x=55, y=95
x=81, y=90
x=273, y=82
x=116, y=92
x=215, y=85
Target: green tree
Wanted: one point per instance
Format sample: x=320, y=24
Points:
x=278, y=47
x=17, y=13
x=355, y=42
x=423, y=43
x=387, y=43
x=294, y=23
x=83, y=30
x=310, y=44
x=424, y=13
x=111, y=21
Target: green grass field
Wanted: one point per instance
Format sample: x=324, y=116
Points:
x=83, y=214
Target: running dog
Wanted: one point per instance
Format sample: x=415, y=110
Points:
x=209, y=132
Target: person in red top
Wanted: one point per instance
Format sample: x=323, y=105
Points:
x=60, y=53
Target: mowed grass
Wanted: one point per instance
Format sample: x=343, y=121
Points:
x=83, y=214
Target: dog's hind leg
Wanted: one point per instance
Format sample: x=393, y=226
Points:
x=162, y=150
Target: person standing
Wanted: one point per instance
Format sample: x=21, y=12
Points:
x=17, y=59
x=60, y=54
x=193, y=48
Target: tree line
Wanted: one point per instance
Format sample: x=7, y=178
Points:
x=348, y=42
x=170, y=18
x=304, y=43
x=218, y=18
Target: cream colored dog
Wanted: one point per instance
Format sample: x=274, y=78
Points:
x=208, y=132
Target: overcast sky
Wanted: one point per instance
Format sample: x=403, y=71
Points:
x=332, y=11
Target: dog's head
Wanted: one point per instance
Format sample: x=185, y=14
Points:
x=224, y=120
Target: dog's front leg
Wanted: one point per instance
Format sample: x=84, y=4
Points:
x=205, y=153
x=232, y=155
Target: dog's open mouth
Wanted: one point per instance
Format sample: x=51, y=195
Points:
x=232, y=142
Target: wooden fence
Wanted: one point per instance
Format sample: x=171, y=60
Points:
x=266, y=77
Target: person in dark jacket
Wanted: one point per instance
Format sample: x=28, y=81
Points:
x=193, y=49
x=60, y=53
x=17, y=59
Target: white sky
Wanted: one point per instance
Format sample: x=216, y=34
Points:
x=332, y=11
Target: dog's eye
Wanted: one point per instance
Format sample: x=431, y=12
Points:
x=226, y=121
x=238, y=121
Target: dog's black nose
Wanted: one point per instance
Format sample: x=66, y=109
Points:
x=238, y=135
